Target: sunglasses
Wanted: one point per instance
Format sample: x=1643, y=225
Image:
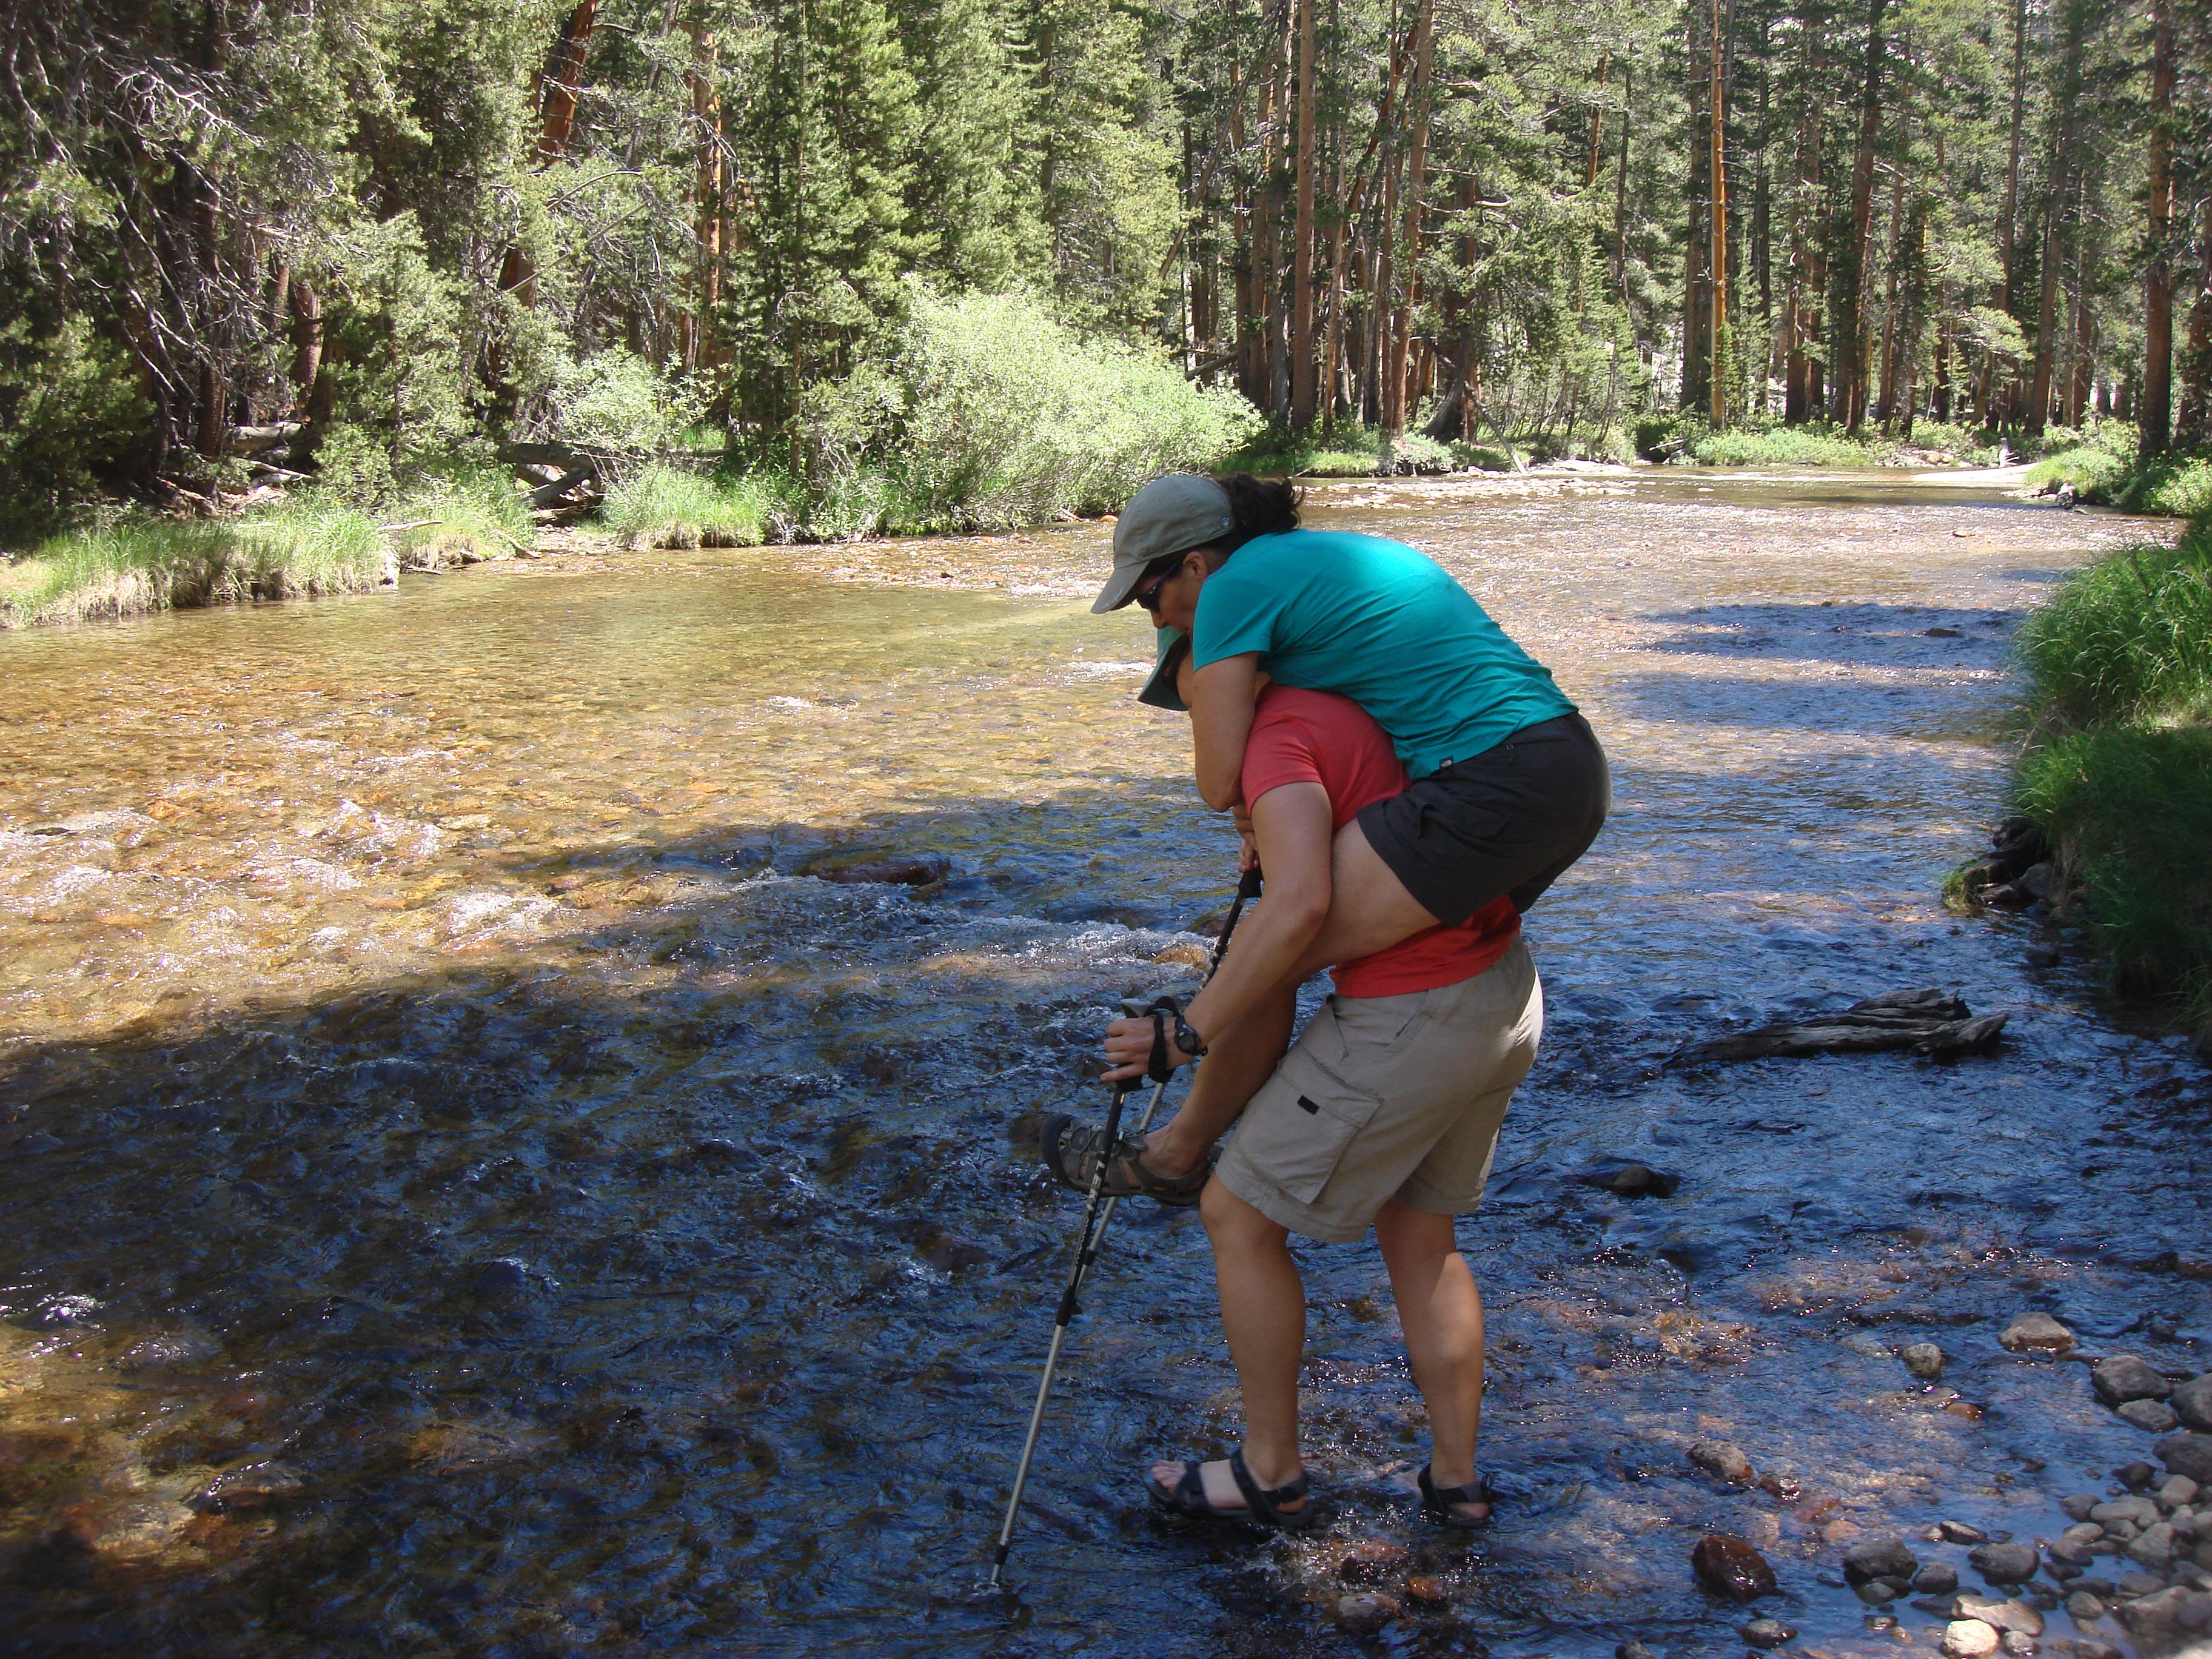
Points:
x=1148, y=596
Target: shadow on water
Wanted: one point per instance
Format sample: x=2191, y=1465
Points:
x=633, y=1245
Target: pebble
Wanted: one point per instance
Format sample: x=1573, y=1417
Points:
x=1936, y=1578
x=2178, y=1492
x=2189, y=1454
x=255, y=1486
x=1428, y=1588
x=1369, y=1562
x=2136, y=1585
x=1881, y=1592
x=1768, y=1633
x=1925, y=1360
x=2036, y=1333
x=1730, y=1566
x=2140, y=1511
x=2004, y=1615
x=2135, y=1476
x=1721, y=1460
x=1969, y=1638
x=2018, y=1645
x=2120, y=1377
x=2006, y=1564
x=2193, y=1400
x=1367, y=1612
x=2085, y=1607
x=2155, y=1548
x=1633, y=1650
x=1879, y=1558
x=2084, y=1648
x=2151, y=1416
x=2077, y=1507
x=1958, y=1532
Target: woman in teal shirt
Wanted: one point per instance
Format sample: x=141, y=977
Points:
x=1509, y=786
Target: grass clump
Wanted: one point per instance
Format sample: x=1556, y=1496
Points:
x=306, y=548
x=474, y=516
x=2120, y=667
x=1782, y=445
x=667, y=507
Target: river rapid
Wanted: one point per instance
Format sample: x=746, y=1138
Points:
x=469, y=1190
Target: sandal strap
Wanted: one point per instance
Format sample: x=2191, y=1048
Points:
x=1263, y=1502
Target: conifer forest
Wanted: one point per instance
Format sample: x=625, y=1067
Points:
x=293, y=234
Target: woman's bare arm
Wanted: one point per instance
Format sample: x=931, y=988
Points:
x=1293, y=826
x=1221, y=695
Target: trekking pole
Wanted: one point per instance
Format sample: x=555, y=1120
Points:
x=1095, y=1218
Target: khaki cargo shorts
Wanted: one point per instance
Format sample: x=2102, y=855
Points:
x=1385, y=1097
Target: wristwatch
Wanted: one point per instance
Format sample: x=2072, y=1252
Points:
x=1187, y=1038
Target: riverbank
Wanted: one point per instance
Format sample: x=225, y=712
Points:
x=2117, y=780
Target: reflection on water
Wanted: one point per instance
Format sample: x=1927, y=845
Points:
x=471, y=1190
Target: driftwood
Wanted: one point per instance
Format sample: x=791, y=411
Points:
x=252, y=440
x=1926, y=1022
x=549, y=495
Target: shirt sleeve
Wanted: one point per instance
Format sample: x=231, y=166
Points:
x=1278, y=752
x=1236, y=614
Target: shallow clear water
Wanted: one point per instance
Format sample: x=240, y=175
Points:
x=469, y=1191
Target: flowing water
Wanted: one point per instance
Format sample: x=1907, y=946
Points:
x=468, y=1191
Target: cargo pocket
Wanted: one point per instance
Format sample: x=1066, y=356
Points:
x=1312, y=1121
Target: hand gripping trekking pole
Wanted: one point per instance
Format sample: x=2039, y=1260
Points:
x=1096, y=1215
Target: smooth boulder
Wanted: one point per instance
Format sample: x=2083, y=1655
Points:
x=2036, y=1333
x=2188, y=1454
x=2006, y=1564
x=2192, y=1402
x=1729, y=1566
x=1880, y=1558
x=1721, y=1460
x=2121, y=1377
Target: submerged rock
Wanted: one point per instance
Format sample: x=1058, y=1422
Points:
x=2036, y=1333
x=2006, y=1564
x=2121, y=1377
x=1629, y=1179
x=2151, y=1416
x=2011, y=1614
x=1936, y=1578
x=1729, y=1566
x=1767, y=1633
x=1923, y=1359
x=2192, y=1402
x=1721, y=1460
x=1880, y=1558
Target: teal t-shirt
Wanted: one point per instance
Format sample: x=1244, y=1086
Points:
x=1374, y=621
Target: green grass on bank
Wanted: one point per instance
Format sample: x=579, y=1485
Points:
x=1686, y=439
x=306, y=549
x=2120, y=667
x=2176, y=486
x=666, y=506
x=462, y=517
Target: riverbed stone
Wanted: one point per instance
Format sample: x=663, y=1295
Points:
x=2178, y=1492
x=2007, y=1613
x=2006, y=1564
x=2120, y=1377
x=1633, y=1650
x=2016, y=1644
x=1767, y=1633
x=2135, y=1585
x=1923, y=1359
x=2077, y=1507
x=2085, y=1607
x=2192, y=1402
x=2188, y=1454
x=1881, y=1592
x=1969, y=1638
x=2140, y=1512
x=2082, y=1533
x=2081, y=1647
x=2154, y=1547
x=1888, y=1557
x=1959, y=1532
x=2151, y=1416
x=1731, y=1567
x=1721, y=1460
x=2036, y=1333
x=2137, y=1477
x=1936, y=1578
x=2162, y=1622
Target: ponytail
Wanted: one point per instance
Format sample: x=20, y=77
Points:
x=1261, y=506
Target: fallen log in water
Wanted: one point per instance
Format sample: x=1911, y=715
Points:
x=1928, y=1021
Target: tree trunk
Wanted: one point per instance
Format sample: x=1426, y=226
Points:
x=1305, y=366
x=2007, y=225
x=2156, y=419
x=1401, y=332
x=706, y=187
x=1621, y=192
x=1716, y=110
x=1697, y=248
x=1847, y=396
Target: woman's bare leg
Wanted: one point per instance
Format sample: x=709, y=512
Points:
x=1263, y=1313
x=1441, y=1310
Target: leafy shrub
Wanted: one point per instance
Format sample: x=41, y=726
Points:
x=1787, y=446
x=615, y=400
x=1965, y=446
x=2096, y=473
x=1662, y=437
x=308, y=548
x=2181, y=488
x=987, y=412
x=2129, y=637
x=666, y=506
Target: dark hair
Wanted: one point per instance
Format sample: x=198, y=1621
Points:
x=1261, y=506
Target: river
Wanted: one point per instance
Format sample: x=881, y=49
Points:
x=469, y=1191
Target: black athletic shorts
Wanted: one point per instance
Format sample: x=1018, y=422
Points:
x=1510, y=820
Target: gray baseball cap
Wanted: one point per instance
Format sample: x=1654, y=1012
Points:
x=1168, y=515
x=1160, y=688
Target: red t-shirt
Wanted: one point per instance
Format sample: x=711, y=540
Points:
x=1317, y=736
